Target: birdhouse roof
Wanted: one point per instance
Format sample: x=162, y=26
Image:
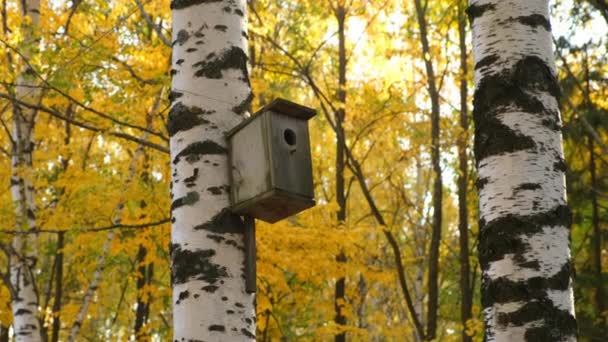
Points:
x=280, y=106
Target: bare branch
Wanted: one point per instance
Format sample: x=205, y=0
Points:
x=88, y=230
x=85, y=125
x=151, y=24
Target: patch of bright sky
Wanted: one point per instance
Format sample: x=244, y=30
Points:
x=565, y=25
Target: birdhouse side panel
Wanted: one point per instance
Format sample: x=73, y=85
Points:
x=290, y=155
x=250, y=162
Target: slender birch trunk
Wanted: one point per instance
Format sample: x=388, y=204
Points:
x=142, y=307
x=101, y=259
x=24, y=294
x=466, y=292
x=58, y=288
x=211, y=94
x=420, y=241
x=340, y=293
x=524, y=247
x=145, y=273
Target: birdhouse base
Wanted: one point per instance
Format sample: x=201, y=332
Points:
x=273, y=205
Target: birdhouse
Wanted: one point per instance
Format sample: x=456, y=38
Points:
x=271, y=167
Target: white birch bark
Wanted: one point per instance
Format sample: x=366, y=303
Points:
x=101, y=259
x=420, y=241
x=23, y=259
x=210, y=94
x=524, y=247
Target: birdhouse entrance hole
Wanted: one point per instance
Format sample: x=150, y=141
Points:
x=290, y=137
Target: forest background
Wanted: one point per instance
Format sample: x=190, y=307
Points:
x=378, y=72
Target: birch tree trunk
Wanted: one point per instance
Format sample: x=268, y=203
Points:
x=524, y=224
x=420, y=241
x=466, y=292
x=210, y=94
x=23, y=259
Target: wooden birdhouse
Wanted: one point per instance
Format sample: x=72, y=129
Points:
x=271, y=167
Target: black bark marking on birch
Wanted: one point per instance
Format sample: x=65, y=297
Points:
x=174, y=95
x=217, y=327
x=232, y=58
x=222, y=223
x=486, y=61
x=509, y=88
x=181, y=4
x=227, y=9
x=216, y=238
x=494, y=138
x=215, y=190
x=528, y=186
x=244, y=106
x=189, y=181
x=193, y=152
x=222, y=28
x=560, y=165
x=210, y=288
x=182, y=37
x=187, y=265
x=557, y=324
x=247, y=333
x=533, y=73
x=191, y=50
x=535, y=20
x=239, y=12
x=183, y=118
x=534, y=264
x=504, y=235
x=182, y=296
x=22, y=312
x=189, y=199
x=481, y=183
x=476, y=11
x=179, y=61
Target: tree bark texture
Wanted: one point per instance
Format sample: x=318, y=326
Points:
x=524, y=247
x=23, y=259
x=340, y=319
x=142, y=307
x=210, y=95
x=58, y=288
x=466, y=292
x=433, y=274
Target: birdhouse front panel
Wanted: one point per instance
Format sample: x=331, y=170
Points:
x=290, y=155
x=271, y=167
